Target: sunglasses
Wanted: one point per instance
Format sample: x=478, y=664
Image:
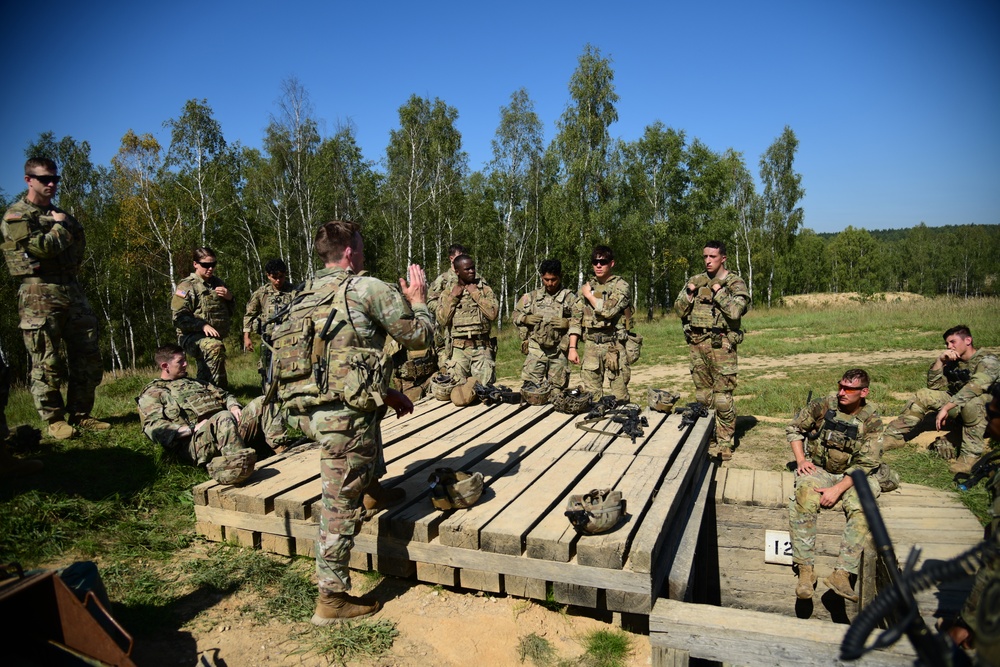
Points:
x=850, y=389
x=44, y=178
x=600, y=262
x=207, y=265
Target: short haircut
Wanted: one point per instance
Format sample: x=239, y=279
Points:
x=203, y=252
x=602, y=252
x=961, y=329
x=858, y=374
x=166, y=352
x=275, y=266
x=718, y=245
x=553, y=266
x=334, y=237
x=457, y=249
x=462, y=258
x=40, y=163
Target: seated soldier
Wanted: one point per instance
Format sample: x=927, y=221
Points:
x=199, y=422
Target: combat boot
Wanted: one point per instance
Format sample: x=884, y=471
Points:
x=334, y=607
x=60, y=429
x=725, y=454
x=962, y=464
x=840, y=583
x=807, y=582
x=377, y=498
x=88, y=423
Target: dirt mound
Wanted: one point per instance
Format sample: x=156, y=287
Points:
x=847, y=298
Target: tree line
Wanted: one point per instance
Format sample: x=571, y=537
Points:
x=655, y=200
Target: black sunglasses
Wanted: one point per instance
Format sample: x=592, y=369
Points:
x=600, y=262
x=207, y=265
x=44, y=178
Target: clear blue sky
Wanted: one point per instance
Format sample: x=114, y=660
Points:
x=894, y=102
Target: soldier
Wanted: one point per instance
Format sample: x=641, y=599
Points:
x=467, y=312
x=195, y=421
x=340, y=402
x=443, y=283
x=710, y=308
x=958, y=384
x=44, y=247
x=269, y=298
x=542, y=319
x=202, y=309
x=602, y=317
x=848, y=433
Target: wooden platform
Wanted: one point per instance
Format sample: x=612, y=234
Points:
x=516, y=539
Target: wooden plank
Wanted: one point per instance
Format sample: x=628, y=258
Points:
x=479, y=580
x=524, y=587
x=739, y=487
x=223, y=495
x=767, y=489
x=437, y=574
x=721, y=475
x=575, y=594
x=787, y=486
x=394, y=566
x=650, y=434
x=682, y=566
x=277, y=544
x=209, y=531
x=257, y=495
x=425, y=412
x=663, y=441
x=245, y=538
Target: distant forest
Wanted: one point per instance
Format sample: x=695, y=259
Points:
x=655, y=200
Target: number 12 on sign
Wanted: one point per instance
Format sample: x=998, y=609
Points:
x=777, y=547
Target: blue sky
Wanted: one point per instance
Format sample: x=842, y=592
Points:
x=894, y=102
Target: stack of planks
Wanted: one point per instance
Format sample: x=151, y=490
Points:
x=516, y=539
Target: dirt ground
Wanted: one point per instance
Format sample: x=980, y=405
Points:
x=454, y=627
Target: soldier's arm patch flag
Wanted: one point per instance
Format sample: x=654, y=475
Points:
x=181, y=293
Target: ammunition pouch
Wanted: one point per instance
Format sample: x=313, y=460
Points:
x=633, y=346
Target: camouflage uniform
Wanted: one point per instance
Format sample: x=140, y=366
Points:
x=195, y=304
x=264, y=303
x=712, y=331
x=45, y=256
x=442, y=284
x=843, y=443
x=604, y=329
x=350, y=440
x=547, y=342
x=964, y=383
x=468, y=320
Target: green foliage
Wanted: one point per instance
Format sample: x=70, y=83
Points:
x=352, y=639
x=537, y=649
x=606, y=648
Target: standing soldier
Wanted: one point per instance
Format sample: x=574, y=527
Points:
x=847, y=438
x=710, y=308
x=339, y=396
x=601, y=316
x=203, y=308
x=443, y=283
x=44, y=247
x=542, y=319
x=466, y=312
x=267, y=300
x=958, y=384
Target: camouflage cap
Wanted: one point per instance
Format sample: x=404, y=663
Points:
x=597, y=511
x=455, y=489
x=661, y=400
x=233, y=468
x=464, y=394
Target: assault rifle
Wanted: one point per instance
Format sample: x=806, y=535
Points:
x=495, y=394
x=690, y=414
x=626, y=415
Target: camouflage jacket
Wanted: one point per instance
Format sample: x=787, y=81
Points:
x=468, y=314
x=443, y=283
x=264, y=303
x=549, y=307
x=613, y=309
x=36, y=245
x=966, y=380
x=195, y=304
x=721, y=310
x=168, y=405
x=842, y=442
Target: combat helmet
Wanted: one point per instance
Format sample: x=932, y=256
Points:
x=233, y=468
x=441, y=386
x=455, y=489
x=574, y=401
x=596, y=511
x=661, y=400
x=536, y=394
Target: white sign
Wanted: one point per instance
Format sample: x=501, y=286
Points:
x=777, y=547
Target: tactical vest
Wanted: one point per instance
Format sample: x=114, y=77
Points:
x=274, y=301
x=195, y=400
x=839, y=439
x=549, y=308
x=469, y=319
x=22, y=220
x=956, y=376
x=319, y=357
x=208, y=305
x=590, y=319
x=705, y=313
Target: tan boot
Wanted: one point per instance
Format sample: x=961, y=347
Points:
x=807, y=582
x=725, y=454
x=962, y=464
x=378, y=498
x=840, y=583
x=88, y=423
x=334, y=607
x=61, y=430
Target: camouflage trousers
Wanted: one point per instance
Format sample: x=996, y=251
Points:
x=53, y=315
x=605, y=361
x=210, y=353
x=546, y=363
x=471, y=362
x=713, y=370
x=264, y=426
x=972, y=416
x=220, y=434
x=350, y=459
x=803, y=511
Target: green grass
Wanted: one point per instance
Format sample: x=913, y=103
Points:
x=606, y=648
x=537, y=649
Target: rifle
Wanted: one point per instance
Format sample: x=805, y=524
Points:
x=626, y=415
x=690, y=414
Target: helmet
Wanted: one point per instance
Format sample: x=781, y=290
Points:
x=661, y=400
x=441, y=386
x=596, y=511
x=574, y=401
x=536, y=394
x=455, y=489
x=464, y=394
x=233, y=468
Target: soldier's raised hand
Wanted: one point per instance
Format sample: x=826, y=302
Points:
x=416, y=290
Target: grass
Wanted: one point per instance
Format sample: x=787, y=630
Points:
x=537, y=649
x=606, y=648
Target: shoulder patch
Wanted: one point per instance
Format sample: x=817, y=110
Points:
x=182, y=293
x=12, y=216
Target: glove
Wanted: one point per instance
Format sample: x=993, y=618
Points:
x=943, y=448
x=532, y=320
x=560, y=323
